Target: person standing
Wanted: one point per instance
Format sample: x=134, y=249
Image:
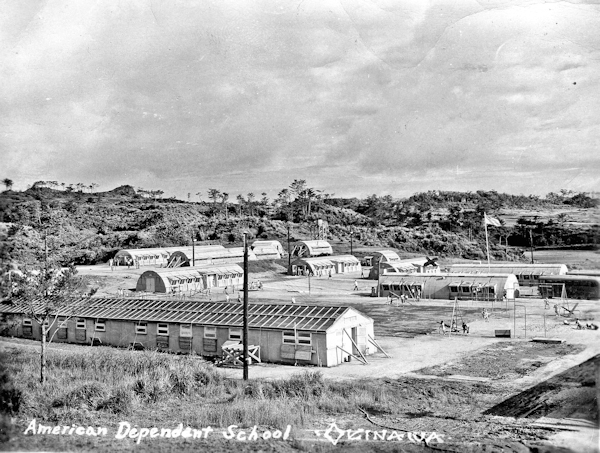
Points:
x=355, y=286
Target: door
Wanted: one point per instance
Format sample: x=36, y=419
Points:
x=354, y=335
x=150, y=284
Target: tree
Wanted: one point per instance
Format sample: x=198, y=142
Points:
x=214, y=194
x=224, y=198
x=8, y=183
x=241, y=201
x=250, y=202
x=199, y=196
x=45, y=295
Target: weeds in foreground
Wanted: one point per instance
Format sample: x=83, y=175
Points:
x=96, y=383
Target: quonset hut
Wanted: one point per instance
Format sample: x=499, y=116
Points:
x=157, y=257
x=572, y=286
x=336, y=264
x=408, y=265
x=311, y=248
x=280, y=333
x=212, y=256
x=527, y=274
x=190, y=279
x=267, y=250
x=450, y=286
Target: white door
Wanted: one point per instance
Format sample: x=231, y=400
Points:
x=150, y=286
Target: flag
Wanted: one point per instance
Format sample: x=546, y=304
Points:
x=491, y=220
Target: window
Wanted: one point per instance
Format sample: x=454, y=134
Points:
x=162, y=329
x=185, y=330
x=465, y=289
x=235, y=334
x=385, y=287
x=291, y=337
x=141, y=328
x=62, y=322
x=454, y=289
x=304, y=338
x=525, y=277
x=27, y=322
x=100, y=325
x=210, y=332
x=80, y=324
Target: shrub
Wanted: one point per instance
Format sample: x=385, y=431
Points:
x=86, y=395
x=120, y=402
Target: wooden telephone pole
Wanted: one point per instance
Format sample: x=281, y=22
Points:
x=245, y=322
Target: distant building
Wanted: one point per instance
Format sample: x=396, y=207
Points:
x=267, y=249
x=325, y=265
x=190, y=280
x=527, y=274
x=409, y=265
x=450, y=286
x=311, y=248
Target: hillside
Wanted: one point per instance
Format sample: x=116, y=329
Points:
x=87, y=228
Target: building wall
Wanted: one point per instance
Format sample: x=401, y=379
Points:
x=121, y=333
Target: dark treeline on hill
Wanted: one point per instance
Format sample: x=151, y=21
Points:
x=81, y=226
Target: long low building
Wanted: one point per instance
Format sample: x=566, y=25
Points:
x=185, y=257
x=570, y=286
x=190, y=280
x=403, y=266
x=157, y=257
x=527, y=274
x=449, y=286
x=325, y=265
x=281, y=333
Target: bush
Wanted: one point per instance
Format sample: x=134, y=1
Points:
x=87, y=395
x=120, y=402
x=10, y=397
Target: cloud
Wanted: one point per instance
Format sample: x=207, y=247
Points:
x=184, y=95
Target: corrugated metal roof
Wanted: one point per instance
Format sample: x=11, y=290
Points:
x=266, y=316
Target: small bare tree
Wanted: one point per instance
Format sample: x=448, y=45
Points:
x=45, y=295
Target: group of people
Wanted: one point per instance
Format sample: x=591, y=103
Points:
x=443, y=328
x=589, y=325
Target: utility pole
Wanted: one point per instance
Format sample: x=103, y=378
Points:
x=351, y=234
x=193, y=251
x=288, y=248
x=378, y=275
x=531, y=244
x=245, y=322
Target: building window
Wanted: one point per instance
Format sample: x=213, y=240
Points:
x=304, y=338
x=185, y=330
x=289, y=337
x=141, y=328
x=162, y=329
x=80, y=324
x=454, y=289
x=210, y=332
x=525, y=277
x=27, y=322
x=300, y=338
x=385, y=287
x=465, y=289
x=100, y=325
x=235, y=334
x=62, y=322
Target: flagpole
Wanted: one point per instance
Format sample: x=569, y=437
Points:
x=487, y=242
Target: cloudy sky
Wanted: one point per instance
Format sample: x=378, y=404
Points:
x=354, y=96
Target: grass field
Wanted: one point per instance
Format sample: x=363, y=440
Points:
x=101, y=387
